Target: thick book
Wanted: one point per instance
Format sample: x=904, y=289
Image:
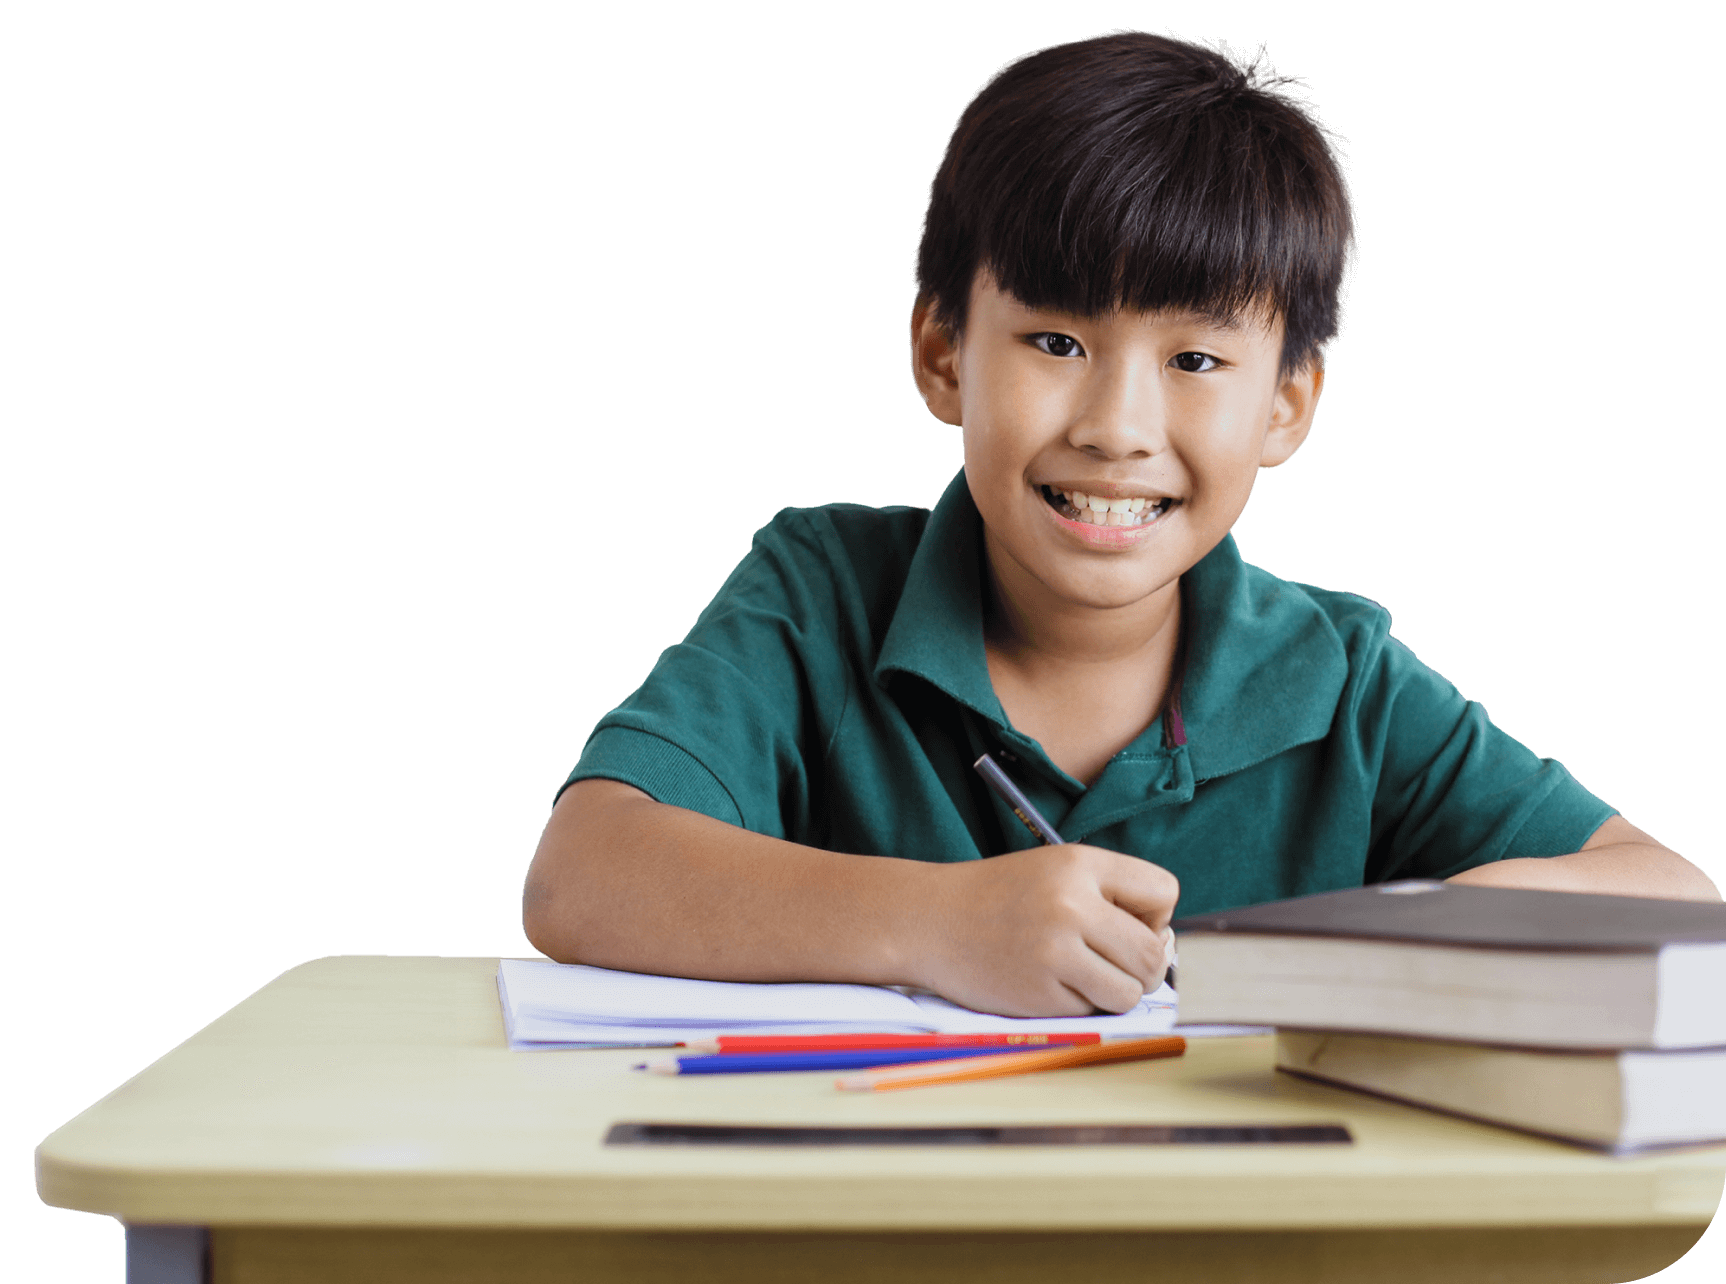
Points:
x=1440, y=961
x=1612, y=1099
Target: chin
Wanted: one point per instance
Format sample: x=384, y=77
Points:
x=1107, y=593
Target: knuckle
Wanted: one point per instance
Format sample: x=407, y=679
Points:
x=1046, y=955
x=1068, y=859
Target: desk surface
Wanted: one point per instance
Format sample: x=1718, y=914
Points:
x=379, y=1091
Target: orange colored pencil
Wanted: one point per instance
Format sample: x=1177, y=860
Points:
x=962, y=1071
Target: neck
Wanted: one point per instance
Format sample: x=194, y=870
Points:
x=1031, y=628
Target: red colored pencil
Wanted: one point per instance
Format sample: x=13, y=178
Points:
x=875, y=1042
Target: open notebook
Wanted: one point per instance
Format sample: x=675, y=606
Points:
x=568, y=1005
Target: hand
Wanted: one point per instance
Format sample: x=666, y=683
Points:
x=1054, y=931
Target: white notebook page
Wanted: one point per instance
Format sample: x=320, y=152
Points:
x=564, y=1004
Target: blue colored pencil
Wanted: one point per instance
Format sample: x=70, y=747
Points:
x=779, y=1062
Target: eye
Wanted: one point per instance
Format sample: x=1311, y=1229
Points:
x=1194, y=362
x=1056, y=345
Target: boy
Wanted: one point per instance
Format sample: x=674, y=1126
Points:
x=1129, y=267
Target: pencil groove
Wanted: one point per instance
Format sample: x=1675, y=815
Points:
x=690, y=1134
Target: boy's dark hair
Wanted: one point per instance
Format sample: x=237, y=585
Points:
x=1142, y=172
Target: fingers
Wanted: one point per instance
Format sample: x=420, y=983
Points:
x=1129, y=946
x=1107, y=989
x=1129, y=935
x=1148, y=892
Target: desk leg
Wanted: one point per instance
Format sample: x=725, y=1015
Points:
x=167, y=1255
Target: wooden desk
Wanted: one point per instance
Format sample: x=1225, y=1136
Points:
x=360, y=1119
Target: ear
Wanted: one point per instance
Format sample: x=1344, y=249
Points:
x=935, y=363
x=1291, y=414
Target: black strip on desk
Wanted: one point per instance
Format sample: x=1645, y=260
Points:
x=685, y=1134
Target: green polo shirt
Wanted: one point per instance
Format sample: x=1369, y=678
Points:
x=835, y=693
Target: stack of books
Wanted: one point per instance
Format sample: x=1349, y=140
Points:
x=1599, y=1020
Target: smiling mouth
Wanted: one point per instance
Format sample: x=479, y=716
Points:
x=1076, y=506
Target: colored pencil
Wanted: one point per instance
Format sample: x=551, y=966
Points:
x=843, y=1059
x=961, y=1071
x=855, y=1042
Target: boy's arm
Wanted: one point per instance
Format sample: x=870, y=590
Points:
x=1618, y=860
x=626, y=882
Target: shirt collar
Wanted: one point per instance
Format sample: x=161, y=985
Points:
x=1264, y=666
x=937, y=628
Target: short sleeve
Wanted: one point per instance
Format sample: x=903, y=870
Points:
x=730, y=717
x=1453, y=790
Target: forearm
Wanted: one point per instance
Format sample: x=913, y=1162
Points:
x=1613, y=869
x=622, y=881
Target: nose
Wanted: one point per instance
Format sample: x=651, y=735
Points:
x=1122, y=414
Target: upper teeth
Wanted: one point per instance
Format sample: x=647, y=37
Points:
x=1097, y=504
x=1112, y=512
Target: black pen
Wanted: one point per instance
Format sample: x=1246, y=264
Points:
x=1023, y=808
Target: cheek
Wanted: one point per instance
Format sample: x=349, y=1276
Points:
x=1003, y=417
x=1238, y=454
x=1225, y=450
x=988, y=451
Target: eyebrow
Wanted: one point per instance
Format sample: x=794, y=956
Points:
x=1253, y=318
x=1229, y=323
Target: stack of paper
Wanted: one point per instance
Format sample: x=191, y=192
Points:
x=566, y=1005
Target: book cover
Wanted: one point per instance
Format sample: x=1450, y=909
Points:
x=1497, y=917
